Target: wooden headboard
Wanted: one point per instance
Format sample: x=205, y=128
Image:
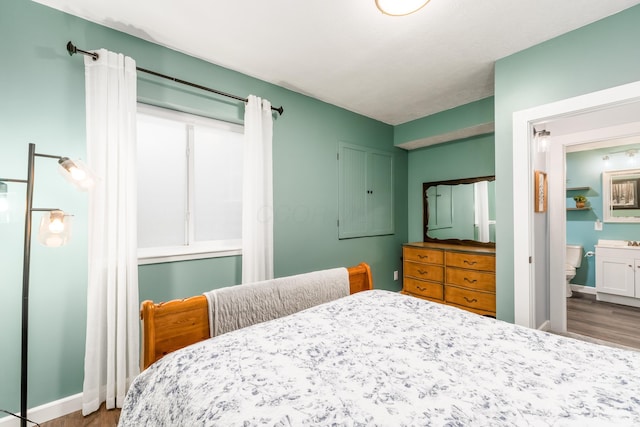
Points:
x=169, y=326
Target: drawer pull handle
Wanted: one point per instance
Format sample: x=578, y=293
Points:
x=422, y=271
x=470, y=262
x=423, y=256
x=420, y=288
x=470, y=280
x=470, y=300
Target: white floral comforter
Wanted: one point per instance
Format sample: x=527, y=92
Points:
x=379, y=358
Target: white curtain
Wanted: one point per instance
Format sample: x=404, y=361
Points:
x=482, y=210
x=112, y=340
x=257, y=192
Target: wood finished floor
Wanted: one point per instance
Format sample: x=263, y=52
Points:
x=614, y=323
x=619, y=324
x=100, y=418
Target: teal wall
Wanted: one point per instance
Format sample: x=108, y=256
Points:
x=465, y=158
x=464, y=116
x=595, y=57
x=584, y=169
x=43, y=102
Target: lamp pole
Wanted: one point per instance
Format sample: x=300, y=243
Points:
x=26, y=261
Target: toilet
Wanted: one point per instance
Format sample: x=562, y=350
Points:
x=572, y=261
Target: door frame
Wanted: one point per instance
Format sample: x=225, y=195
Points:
x=524, y=230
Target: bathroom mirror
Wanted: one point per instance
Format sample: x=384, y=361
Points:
x=460, y=211
x=620, y=195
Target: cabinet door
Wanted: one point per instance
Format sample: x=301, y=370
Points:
x=379, y=199
x=365, y=193
x=352, y=211
x=615, y=275
x=637, y=281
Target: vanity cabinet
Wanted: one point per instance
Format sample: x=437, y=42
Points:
x=459, y=275
x=618, y=271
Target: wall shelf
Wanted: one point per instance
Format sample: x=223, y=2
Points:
x=578, y=188
x=579, y=209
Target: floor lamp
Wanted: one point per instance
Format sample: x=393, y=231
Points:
x=54, y=232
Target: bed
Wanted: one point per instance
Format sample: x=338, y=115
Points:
x=385, y=359
x=169, y=326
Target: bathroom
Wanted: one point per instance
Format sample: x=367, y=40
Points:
x=589, y=230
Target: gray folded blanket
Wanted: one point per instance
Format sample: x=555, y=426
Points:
x=239, y=306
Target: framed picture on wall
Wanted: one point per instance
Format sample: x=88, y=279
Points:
x=624, y=193
x=540, y=192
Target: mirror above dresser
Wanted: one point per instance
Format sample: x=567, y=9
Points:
x=460, y=211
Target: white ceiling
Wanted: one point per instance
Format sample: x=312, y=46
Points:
x=347, y=53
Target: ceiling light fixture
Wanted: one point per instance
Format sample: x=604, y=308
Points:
x=400, y=7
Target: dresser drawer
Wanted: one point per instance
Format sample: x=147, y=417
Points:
x=481, y=301
x=435, y=273
x=471, y=279
x=432, y=256
x=471, y=261
x=425, y=289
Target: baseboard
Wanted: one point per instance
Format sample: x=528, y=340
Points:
x=544, y=326
x=583, y=289
x=48, y=411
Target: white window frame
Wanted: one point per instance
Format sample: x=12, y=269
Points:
x=191, y=250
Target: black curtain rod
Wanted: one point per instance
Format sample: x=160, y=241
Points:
x=73, y=50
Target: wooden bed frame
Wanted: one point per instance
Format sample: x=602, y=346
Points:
x=169, y=326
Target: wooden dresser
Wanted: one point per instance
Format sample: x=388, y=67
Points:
x=459, y=275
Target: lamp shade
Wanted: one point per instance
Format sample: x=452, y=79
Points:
x=400, y=7
x=77, y=173
x=55, y=229
x=542, y=138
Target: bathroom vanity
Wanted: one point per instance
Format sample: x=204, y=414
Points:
x=618, y=272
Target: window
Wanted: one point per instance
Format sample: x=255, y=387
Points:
x=189, y=186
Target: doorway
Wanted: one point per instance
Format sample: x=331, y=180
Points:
x=588, y=118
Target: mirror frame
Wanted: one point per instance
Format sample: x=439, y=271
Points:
x=607, y=178
x=425, y=211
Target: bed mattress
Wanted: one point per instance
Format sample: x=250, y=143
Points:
x=385, y=359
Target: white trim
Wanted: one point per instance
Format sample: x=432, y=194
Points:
x=185, y=253
x=583, y=289
x=48, y=411
x=522, y=207
x=188, y=118
x=557, y=236
x=618, y=299
x=523, y=231
x=607, y=178
x=544, y=326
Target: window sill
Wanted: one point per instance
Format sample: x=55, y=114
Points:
x=182, y=253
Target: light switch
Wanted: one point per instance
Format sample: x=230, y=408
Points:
x=597, y=225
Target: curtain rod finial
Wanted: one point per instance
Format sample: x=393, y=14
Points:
x=71, y=49
x=280, y=110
